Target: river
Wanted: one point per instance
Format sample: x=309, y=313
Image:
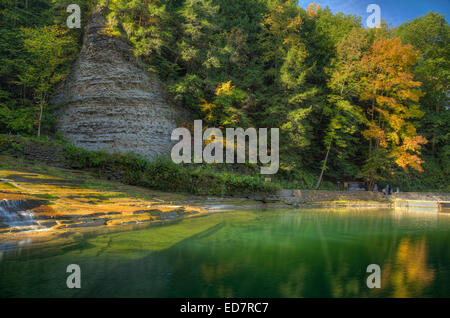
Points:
x=279, y=253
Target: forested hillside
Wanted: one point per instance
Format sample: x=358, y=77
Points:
x=350, y=102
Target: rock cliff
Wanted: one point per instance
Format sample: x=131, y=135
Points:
x=109, y=102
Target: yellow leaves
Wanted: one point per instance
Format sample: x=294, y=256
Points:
x=410, y=94
x=409, y=270
x=282, y=26
x=208, y=109
x=111, y=28
x=387, y=101
x=396, y=122
x=205, y=106
x=410, y=130
x=393, y=137
x=296, y=22
x=128, y=28
x=227, y=108
x=213, y=138
x=225, y=89
x=375, y=132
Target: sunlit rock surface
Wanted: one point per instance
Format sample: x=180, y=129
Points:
x=109, y=102
x=61, y=201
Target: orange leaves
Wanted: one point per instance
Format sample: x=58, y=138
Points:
x=413, y=143
x=390, y=61
x=389, y=83
x=410, y=94
x=407, y=154
x=392, y=52
x=387, y=101
x=405, y=159
x=313, y=9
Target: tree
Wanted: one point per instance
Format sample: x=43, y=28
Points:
x=389, y=87
x=145, y=23
x=281, y=29
x=343, y=113
x=17, y=99
x=50, y=49
x=224, y=111
x=291, y=99
x=430, y=34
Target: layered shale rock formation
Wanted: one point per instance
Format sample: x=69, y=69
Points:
x=109, y=102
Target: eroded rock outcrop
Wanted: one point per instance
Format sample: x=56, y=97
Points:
x=109, y=102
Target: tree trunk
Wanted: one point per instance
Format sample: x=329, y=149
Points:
x=372, y=115
x=40, y=119
x=323, y=167
x=371, y=184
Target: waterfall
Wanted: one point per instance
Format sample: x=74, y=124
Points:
x=14, y=213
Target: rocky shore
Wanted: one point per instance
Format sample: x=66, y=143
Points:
x=40, y=201
x=44, y=201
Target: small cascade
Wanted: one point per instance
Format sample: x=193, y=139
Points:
x=15, y=214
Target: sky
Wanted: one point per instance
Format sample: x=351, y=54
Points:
x=395, y=12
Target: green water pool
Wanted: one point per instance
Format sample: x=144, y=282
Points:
x=295, y=253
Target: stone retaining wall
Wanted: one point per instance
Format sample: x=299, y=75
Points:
x=310, y=196
x=421, y=196
x=320, y=196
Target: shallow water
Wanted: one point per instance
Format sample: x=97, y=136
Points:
x=12, y=215
x=305, y=253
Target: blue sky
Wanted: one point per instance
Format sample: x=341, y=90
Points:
x=395, y=12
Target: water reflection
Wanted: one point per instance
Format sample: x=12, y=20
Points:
x=13, y=249
x=249, y=254
x=409, y=273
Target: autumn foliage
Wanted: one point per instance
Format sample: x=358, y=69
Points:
x=350, y=102
x=392, y=94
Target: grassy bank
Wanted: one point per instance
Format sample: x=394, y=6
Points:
x=159, y=174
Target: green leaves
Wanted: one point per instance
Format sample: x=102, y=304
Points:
x=261, y=63
x=430, y=34
x=49, y=49
x=224, y=111
x=298, y=127
x=34, y=57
